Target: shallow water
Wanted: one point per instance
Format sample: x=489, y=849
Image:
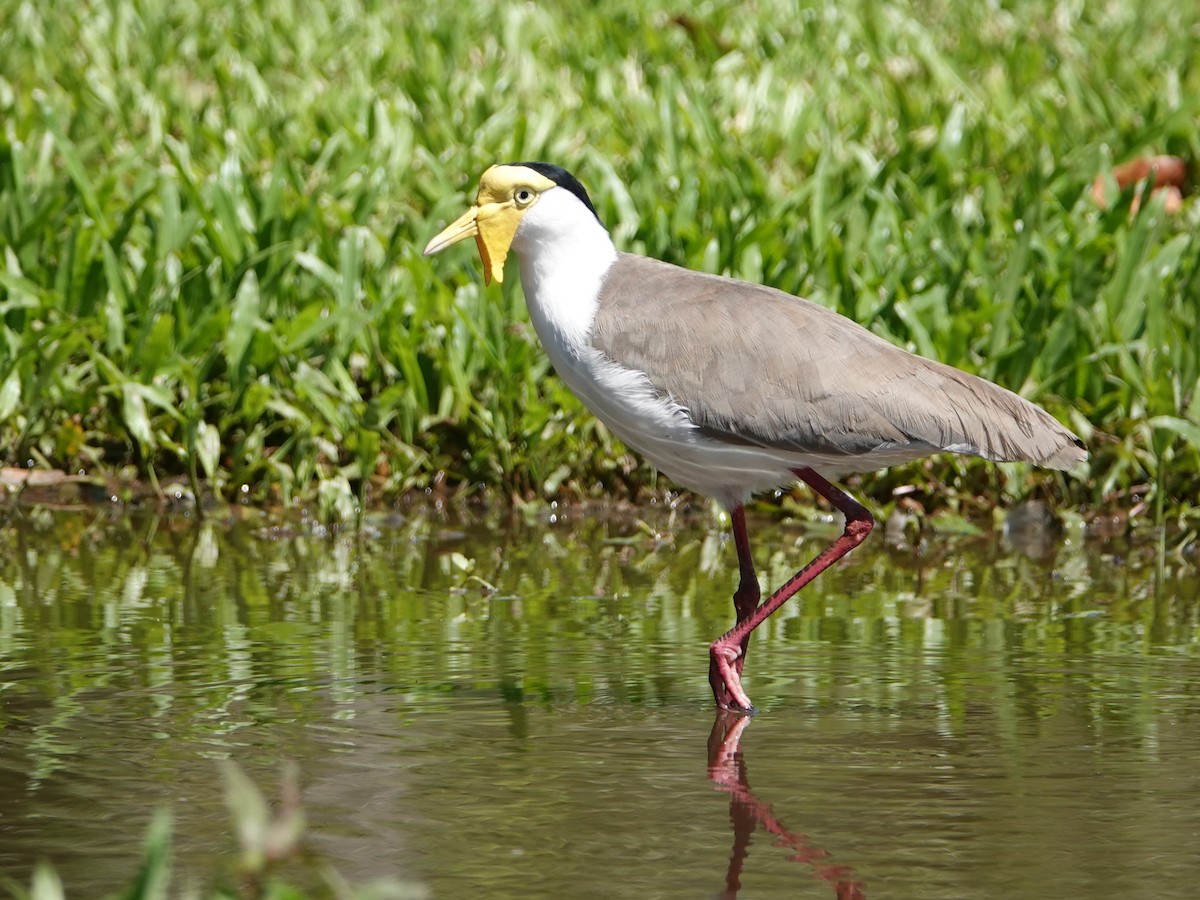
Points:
x=520, y=709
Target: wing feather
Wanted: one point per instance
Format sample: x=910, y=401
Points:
x=756, y=366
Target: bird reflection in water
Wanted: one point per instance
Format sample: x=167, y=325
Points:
x=727, y=770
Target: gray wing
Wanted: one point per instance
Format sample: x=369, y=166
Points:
x=753, y=365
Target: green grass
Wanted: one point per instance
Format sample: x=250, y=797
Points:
x=271, y=857
x=211, y=218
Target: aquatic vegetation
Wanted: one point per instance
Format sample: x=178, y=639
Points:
x=270, y=853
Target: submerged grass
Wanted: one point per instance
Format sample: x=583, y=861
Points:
x=271, y=858
x=211, y=218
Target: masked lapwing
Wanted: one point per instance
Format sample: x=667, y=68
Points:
x=732, y=388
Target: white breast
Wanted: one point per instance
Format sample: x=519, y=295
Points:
x=564, y=255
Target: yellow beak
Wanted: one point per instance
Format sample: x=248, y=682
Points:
x=492, y=225
x=463, y=227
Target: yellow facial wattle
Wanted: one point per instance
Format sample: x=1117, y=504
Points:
x=505, y=193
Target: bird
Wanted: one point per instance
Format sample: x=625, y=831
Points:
x=732, y=388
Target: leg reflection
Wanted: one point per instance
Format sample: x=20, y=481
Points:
x=727, y=770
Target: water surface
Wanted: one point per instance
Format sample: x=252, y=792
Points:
x=511, y=708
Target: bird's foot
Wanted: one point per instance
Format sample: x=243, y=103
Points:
x=724, y=677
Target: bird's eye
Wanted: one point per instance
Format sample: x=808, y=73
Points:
x=523, y=196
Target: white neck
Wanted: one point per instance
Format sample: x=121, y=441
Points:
x=564, y=254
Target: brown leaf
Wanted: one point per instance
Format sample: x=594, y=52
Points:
x=1168, y=175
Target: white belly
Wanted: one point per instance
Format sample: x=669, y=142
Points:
x=665, y=434
x=561, y=283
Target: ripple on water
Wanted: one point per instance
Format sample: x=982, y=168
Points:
x=964, y=721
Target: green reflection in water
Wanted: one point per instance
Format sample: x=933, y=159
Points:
x=953, y=720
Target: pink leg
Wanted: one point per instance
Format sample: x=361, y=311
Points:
x=746, y=598
x=745, y=602
x=727, y=653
